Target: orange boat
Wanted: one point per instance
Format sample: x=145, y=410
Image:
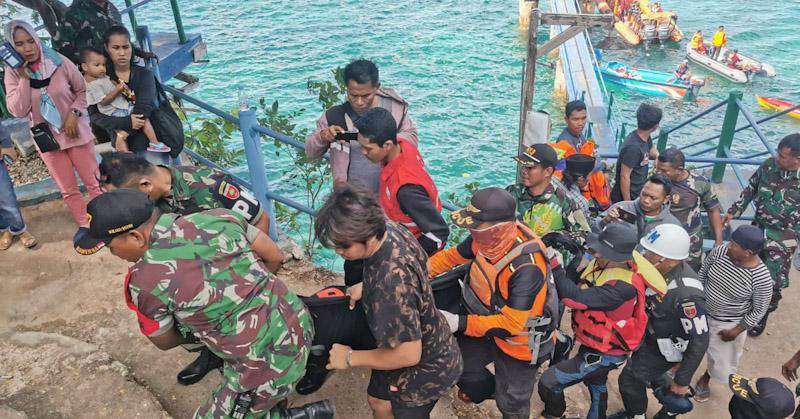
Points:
x=778, y=105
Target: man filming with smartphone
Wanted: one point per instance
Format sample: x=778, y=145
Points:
x=336, y=127
x=647, y=211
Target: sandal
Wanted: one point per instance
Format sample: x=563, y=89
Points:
x=702, y=395
x=27, y=239
x=6, y=239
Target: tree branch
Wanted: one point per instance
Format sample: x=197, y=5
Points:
x=51, y=11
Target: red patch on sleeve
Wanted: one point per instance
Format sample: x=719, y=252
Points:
x=147, y=325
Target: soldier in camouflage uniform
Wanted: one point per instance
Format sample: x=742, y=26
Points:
x=84, y=25
x=774, y=189
x=541, y=205
x=689, y=192
x=181, y=189
x=201, y=278
x=186, y=190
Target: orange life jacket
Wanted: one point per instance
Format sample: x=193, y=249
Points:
x=597, y=187
x=618, y=331
x=406, y=169
x=488, y=292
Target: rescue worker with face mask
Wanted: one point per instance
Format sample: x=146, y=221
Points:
x=609, y=317
x=512, y=308
x=677, y=332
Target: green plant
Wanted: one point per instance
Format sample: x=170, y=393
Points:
x=460, y=200
x=309, y=176
x=328, y=92
x=210, y=136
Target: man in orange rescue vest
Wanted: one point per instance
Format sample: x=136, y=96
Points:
x=608, y=317
x=407, y=192
x=510, y=299
x=572, y=141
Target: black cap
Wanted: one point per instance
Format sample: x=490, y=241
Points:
x=541, y=154
x=487, y=205
x=580, y=164
x=116, y=212
x=616, y=242
x=770, y=397
x=749, y=237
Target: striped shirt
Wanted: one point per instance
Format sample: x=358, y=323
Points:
x=733, y=293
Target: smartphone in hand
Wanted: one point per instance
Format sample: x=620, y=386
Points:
x=347, y=136
x=626, y=216
x=10, y=56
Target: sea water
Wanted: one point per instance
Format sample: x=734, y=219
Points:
x=459, y=65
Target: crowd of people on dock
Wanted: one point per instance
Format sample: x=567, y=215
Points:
x=621, y=246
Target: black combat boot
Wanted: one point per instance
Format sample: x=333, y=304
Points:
x=322, y=409
x=316, y=373
x=198, y=369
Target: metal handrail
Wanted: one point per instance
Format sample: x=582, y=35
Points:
x=696, y=117
x=744, y=127
x=695, y=159
x=753, y=123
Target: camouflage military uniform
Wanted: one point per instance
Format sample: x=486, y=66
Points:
x=687, y=196
x=85, y=24
x=553, y=210
x=776, y=195
x=201, y=276
x=200, y=188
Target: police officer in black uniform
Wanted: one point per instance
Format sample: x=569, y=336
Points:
x=677, y=331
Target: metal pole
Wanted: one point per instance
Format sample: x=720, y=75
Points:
x=726, y=136
x=256, y=166
x=176, y=13
x=132, y=16
x=663, y=137
x=530, y=71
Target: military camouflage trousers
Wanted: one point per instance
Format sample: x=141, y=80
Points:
x=284, y=372
x=777, y=255
x=696, y=250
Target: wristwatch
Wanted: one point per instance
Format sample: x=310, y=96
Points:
x=77, y=113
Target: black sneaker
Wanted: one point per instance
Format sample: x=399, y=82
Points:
x=323, y=409
x=759, y=329
x=198, y=369
x=619, y=415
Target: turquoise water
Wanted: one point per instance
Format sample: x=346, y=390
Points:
x=459, y=64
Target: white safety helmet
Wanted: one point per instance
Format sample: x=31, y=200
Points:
x=667, y=240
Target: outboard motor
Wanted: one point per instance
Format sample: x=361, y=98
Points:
x=695, y=83
x=664, y=31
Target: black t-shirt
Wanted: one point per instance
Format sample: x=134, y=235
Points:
x=398, y=302
x=634, y=154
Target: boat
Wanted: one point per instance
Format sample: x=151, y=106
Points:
x=656, y=83
x=746, y=67
x=642, y=24
x=778, y=105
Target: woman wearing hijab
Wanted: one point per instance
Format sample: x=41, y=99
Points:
x=49, y=89
x=141, y=91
